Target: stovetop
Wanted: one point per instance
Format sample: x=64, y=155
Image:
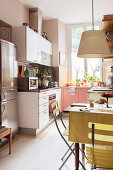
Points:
x=42, y=88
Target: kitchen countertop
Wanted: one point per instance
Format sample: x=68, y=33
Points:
x=99, y=90
x=78, y=87
x=41, y=90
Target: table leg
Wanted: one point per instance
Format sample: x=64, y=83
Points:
x=76, y=156
x=83, y=150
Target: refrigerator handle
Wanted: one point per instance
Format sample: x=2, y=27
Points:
x=3, y=94
x=3, y=109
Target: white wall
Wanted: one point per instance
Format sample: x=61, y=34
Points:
x=13, y=12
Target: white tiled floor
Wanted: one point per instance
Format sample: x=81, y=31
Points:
x=36, y=154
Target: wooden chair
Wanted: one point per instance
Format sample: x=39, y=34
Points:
x=6, y=133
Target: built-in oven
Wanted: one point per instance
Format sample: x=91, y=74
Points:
x=52, y=99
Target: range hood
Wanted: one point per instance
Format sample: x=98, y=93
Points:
x=35, y=19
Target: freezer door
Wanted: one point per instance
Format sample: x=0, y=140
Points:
x=9, y=66
x=9, y=94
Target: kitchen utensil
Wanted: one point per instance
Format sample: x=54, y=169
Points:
x=55, y=84
x=51, y=83
x=39, y=82
x=44, y=83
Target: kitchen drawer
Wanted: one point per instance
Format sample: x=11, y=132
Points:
x=44, y=99
x=42, y=94
x=43, y=118
x=43, y=107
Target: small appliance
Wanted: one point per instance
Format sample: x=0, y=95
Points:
x=27, y=83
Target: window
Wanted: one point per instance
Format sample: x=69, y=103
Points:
x=79, y=66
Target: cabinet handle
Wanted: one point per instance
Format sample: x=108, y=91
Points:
x=44, y=104
x=44, y=97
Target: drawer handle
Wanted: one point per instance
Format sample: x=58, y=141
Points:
x=44, y=104
x=44, y=97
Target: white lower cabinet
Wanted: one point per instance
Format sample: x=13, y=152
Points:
x=43, y=109
x=43, y=118
x=28, y=110
x=33, y=109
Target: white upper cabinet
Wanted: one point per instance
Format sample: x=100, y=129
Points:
x=39, y=58
x=30, y=46
x=26, y=42
x=46, y=46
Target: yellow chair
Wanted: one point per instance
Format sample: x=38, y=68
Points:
x=100, y=156
x=57, y=112
x=95, y=130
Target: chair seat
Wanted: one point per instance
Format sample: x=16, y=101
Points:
x=66, y=132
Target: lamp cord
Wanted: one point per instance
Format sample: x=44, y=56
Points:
x=92, y=16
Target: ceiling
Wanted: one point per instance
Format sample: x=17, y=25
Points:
x=71, y=11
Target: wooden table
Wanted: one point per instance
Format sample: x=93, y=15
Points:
x=6, y=133
x=78, y=132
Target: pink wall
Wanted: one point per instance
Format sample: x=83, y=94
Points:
x=13, y=12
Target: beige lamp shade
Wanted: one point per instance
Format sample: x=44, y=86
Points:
x=93, y=44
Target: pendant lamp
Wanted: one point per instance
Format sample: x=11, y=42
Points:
x=93, y=43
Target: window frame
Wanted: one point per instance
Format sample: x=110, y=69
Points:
x=84, y=25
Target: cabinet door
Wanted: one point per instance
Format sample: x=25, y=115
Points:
x=28, y=109
x=39, y=59
x=43, y=118
x=83, y=97
x=31, y=45
x=46, y=46
x=68, y=98
x=12, y=115
x=46, y=59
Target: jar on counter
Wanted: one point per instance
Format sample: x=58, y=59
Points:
x=91, y=103
x=55, y=84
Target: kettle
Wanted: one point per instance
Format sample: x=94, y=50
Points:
x=44, y=83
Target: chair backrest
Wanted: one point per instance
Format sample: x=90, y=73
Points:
x=80, y=127
x=56, y=108
x=56, y=112
x=99, y=155
x=80, y=131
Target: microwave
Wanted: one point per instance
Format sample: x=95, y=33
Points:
x=27, y=83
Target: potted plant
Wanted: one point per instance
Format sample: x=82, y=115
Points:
x=77, y=82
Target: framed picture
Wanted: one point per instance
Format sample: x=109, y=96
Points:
x=5, y=33
x=62, y=58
